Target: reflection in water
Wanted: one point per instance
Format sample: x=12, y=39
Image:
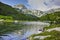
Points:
x=28, y=29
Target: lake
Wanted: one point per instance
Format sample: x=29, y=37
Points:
x=26, y=30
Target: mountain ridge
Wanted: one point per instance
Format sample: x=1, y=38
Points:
x=6, y=10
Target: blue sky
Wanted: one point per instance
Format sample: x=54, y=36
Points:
x=35, y=4
x=13, y=2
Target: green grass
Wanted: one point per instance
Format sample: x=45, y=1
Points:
x=52, y=26
x=55, y=35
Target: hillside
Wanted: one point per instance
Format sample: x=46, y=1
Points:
x=10, y=13
x=52, y=32
x=52, y=17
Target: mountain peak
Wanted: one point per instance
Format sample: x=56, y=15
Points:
x=20, y=6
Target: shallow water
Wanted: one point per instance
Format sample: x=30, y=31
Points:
x=29, y=29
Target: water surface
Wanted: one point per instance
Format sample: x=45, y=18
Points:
x=27, y=29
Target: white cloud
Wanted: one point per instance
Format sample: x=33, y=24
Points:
x=43, y=4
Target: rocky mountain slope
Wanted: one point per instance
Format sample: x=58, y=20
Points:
x=8, y=12
x=51, y=32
